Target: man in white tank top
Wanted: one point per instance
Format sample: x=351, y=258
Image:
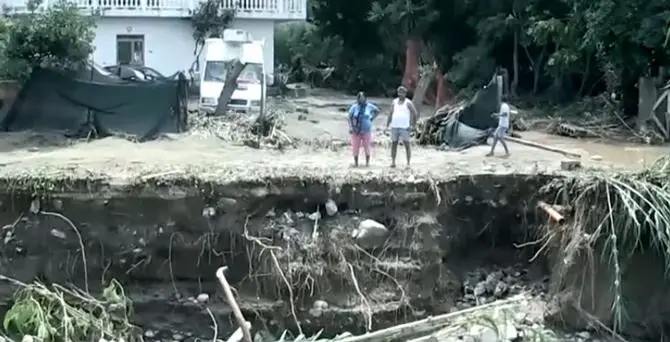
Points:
x=401, y=120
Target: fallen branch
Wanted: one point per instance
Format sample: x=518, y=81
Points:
x=238, y=335
x=543, y=147
x=233, y=304
x=408, y=331
x=554, y=215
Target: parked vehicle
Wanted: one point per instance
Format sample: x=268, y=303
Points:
x=219, y=54
x=127, y=72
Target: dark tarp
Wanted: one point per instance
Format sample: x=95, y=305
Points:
x=472, y=124
x=51, y=100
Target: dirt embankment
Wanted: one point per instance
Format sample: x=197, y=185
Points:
x=281, y=241
x=303, y=254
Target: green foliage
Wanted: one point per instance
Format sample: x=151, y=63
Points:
x=59, y=314
x=309, y=55
x=54, y=36
x=209, y=20
x=563, y=48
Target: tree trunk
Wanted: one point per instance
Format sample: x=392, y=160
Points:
x=585, y=75
x=229, y=87
x=515, y=60
x=537, y=70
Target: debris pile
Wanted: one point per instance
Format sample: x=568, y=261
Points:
x=251, y=130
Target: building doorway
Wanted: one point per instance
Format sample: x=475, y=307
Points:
x=130, y=49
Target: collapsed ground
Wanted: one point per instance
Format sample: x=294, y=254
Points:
x=184, y=225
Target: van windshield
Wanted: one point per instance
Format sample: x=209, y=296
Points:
x=215, y=71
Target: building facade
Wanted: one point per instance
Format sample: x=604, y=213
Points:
x=159, y=34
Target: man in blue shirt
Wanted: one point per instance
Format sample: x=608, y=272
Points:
x=361, y=115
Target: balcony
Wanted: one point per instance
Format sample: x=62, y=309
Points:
x=246, y=9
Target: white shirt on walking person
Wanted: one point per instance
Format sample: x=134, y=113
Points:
x=503, y=117
x=402, y=115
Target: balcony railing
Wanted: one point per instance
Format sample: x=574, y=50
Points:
x=245, y=9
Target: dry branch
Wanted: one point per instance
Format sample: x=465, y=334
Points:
x=429, y=325
x=233, y=304
x=543, y=147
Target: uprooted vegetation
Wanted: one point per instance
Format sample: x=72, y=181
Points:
x=611, y=255
x=56, y=313
x=254, y=131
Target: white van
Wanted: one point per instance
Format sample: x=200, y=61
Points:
x=219, y=56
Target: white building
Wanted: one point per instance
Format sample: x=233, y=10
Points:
x=159, y=34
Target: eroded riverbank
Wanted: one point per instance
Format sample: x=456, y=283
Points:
x=303, y=254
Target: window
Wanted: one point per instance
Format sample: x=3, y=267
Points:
x=130, y=49
x=215, y=71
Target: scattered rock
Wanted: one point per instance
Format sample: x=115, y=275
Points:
x=370, y=233
x=208, y=212
x=314, y=216
x=584, y=335
x=500, y=289
x=203, y=298
x=320, y=304
x=302, y=117
x=149, y=334
x=58, y=234
x=331, y=207
x=302, y=110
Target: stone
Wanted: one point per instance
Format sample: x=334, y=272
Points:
x=28, y=338
x=202, y=298
x=320, y=304
x=315, y=312
x=331, y=207
x=314, y=216
x=58, y=234
x=596, y=157
x=302, y=110
x=34, y=208
x=208, y=212
x=585, y=335
x=150, y=334
x=371, y=228
x=480, y=289
x=500, y=289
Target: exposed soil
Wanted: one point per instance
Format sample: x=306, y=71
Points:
x=162, y=216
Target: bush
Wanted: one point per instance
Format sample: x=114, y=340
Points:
x=57, y=36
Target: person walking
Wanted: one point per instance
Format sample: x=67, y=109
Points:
x=361, y=115
x=501, y=131
x=402, y=118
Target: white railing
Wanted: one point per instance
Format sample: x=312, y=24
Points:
x=257, y=9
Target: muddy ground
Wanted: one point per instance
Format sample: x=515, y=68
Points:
x=163, y=215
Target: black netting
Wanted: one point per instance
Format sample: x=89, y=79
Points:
x=472, y=124
x=51, y=100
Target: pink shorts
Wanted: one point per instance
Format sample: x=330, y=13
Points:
x=363, y=140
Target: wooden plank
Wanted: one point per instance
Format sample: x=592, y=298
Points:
x=543, y=147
